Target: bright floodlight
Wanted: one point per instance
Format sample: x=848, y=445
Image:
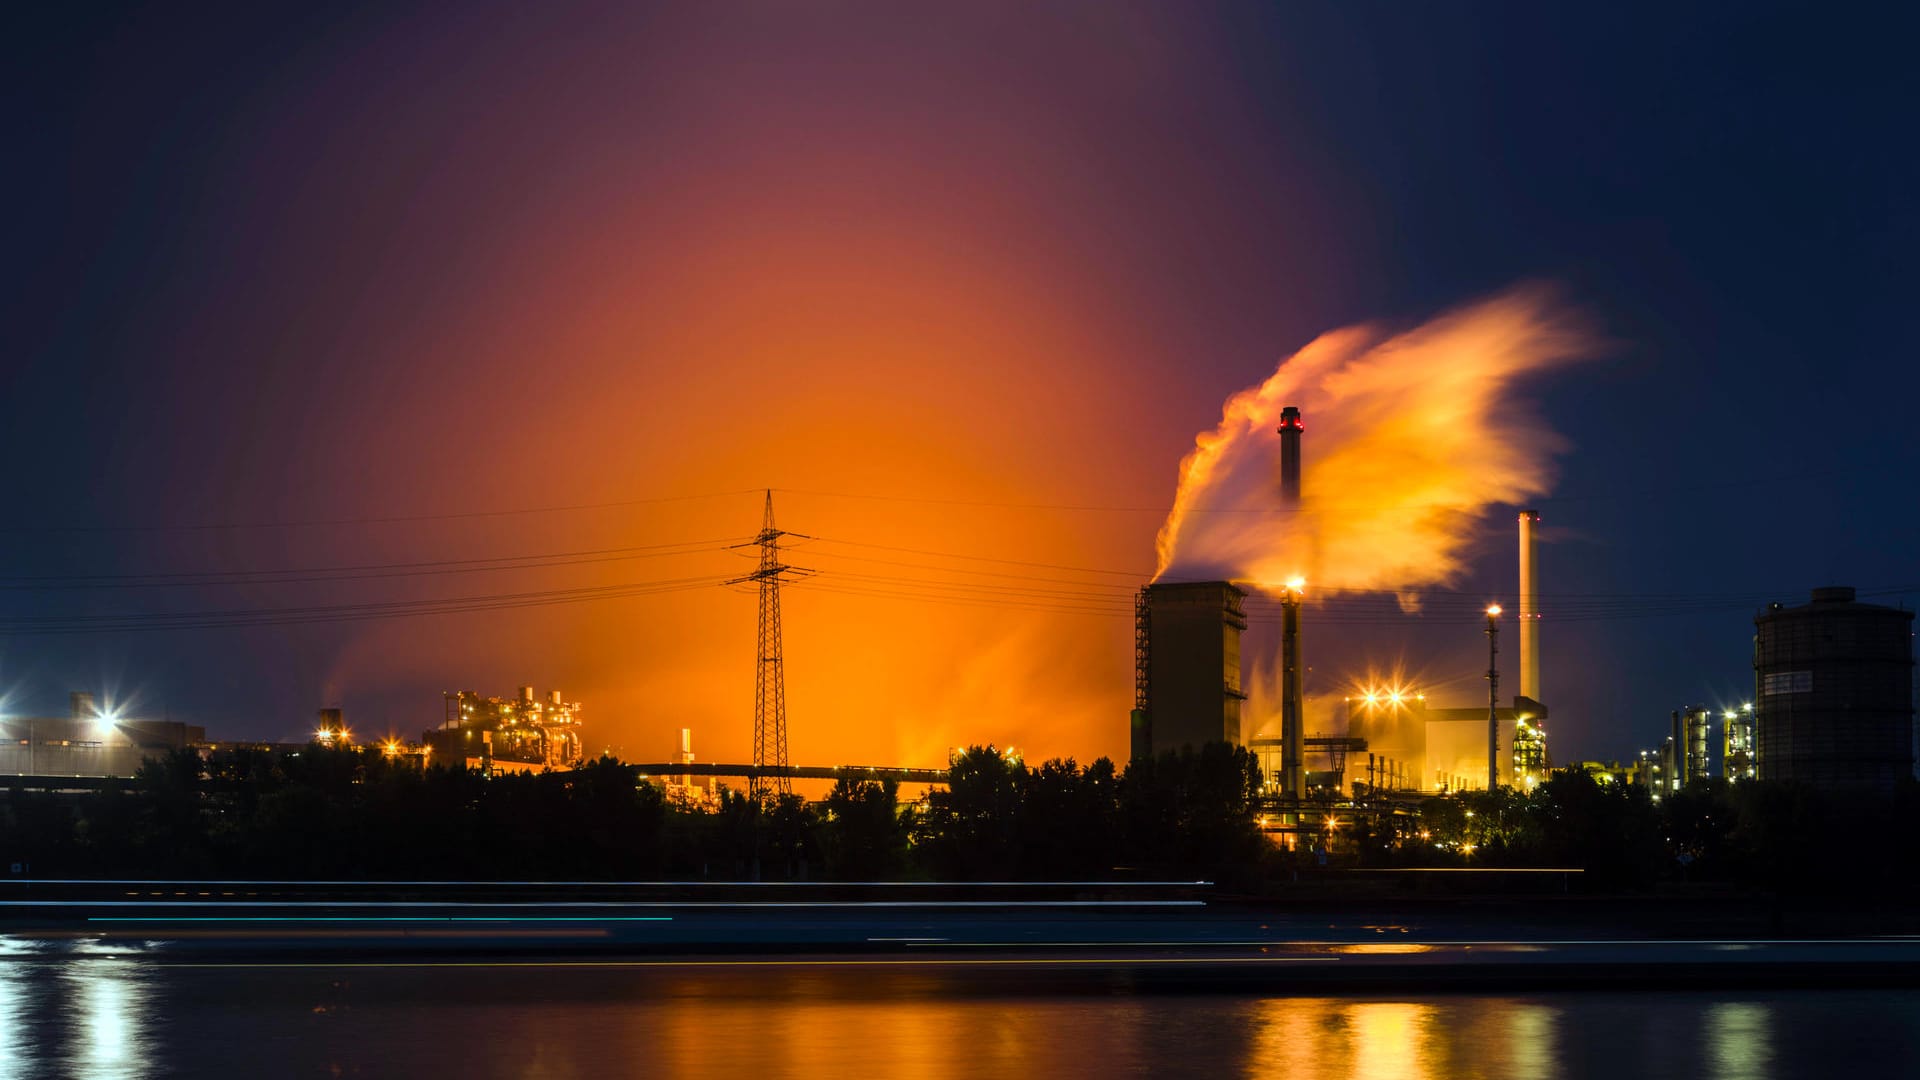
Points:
x=1296, y=583
x=1493, y=610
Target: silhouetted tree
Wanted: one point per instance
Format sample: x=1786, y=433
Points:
x=973, y=828
x=1070, y=820
x=1193, y=811
x=862, y=835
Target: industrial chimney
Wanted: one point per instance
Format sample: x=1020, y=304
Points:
x=1292, y=693
x=1290, y=429
x=1529, y=610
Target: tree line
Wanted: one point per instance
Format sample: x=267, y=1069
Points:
x=1191, y=814
x=1769, y=836
x=351, y=812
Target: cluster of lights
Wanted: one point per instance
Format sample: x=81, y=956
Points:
x=1391, y=695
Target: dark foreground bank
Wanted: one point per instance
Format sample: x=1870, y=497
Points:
x=1035, y=937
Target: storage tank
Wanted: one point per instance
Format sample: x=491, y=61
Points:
x=1833, y=692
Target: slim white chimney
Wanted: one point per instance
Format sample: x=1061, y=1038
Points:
x=1529, y=609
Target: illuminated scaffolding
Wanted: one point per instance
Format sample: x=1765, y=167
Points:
x=1737, y=750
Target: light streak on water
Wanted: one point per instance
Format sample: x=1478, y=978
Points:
x=109, y=1036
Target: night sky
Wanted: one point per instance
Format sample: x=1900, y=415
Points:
x=295, y=291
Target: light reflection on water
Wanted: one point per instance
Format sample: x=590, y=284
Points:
x=102, y=1015
x=1737, y=1040
x=110, y=1008
x=17, y=1050
x=1404, y=1040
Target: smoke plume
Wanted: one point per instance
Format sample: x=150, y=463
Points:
x=1409, y=438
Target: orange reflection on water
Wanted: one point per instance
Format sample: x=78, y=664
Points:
x=809, y=1026
x=1399, y=1040
x=1381, y=948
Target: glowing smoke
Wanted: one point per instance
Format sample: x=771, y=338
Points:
x=1409, y=439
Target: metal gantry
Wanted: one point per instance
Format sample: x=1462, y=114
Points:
x=770, y=684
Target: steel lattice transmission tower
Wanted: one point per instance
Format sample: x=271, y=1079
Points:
x=770, y=684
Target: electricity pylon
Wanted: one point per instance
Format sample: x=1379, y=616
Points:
x=770, y=686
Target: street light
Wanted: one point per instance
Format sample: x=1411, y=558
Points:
x=1493, y=698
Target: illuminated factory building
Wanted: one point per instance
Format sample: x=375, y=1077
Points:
x=1445, y=749
x=517, y=734
x=91, y=740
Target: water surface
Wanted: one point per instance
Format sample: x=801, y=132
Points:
x=93, y=1012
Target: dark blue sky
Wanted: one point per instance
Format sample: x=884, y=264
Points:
x=267, y=268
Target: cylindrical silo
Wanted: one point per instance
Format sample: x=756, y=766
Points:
x=1833, y=701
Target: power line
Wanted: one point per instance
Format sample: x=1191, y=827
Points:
x=363, y=572
x=46, y=625
x=388, y=519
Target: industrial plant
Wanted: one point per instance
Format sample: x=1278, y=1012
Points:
x=516, y=734
x=1833, y=683
x=1832, y=706
x=1188, y=690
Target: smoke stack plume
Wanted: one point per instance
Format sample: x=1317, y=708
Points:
x=1529, y=609
x=1416, y=436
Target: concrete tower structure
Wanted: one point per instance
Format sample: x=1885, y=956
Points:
x=1188, y=662
x=1529, y=609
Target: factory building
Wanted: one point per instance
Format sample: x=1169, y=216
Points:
x=1833, y=682
x=1187, y=665
x=88, y=741
x=1685, y=753
x=517, y=734
x=1736, y=749
x=1187, y=682
x=1452, y=755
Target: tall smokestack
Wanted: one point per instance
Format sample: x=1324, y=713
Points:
x=1529, y=609
x=1290, y=429
x=1292, y=704
x=1292, y=696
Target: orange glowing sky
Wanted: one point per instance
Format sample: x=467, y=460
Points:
x=753, y=256
x=962, y=280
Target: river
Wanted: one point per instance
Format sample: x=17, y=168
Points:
x=104, y=1013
